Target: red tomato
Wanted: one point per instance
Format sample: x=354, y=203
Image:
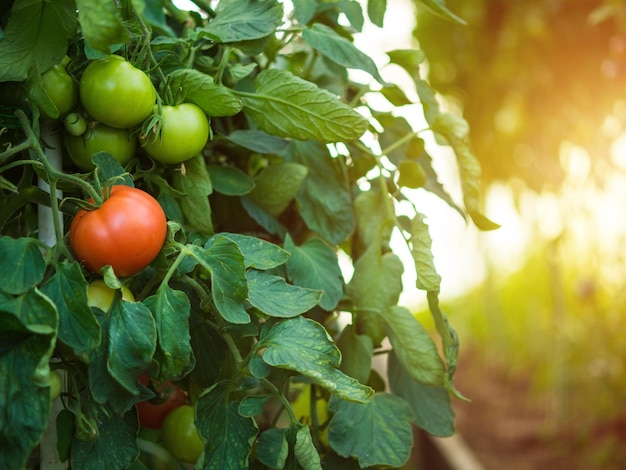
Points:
x=153, y=412
x=126, y=232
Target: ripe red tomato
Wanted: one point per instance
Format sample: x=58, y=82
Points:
x=153, y=412
x=180, y=436
x=184, y=133
x=126, y=232
x=116, y=93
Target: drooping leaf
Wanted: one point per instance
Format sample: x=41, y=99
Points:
x=354, y=13
x=273, y=448
x=304, y=346
x=314, y=265
x=200, y=89
x=196, y=186
x=209, y=350
x=22, y=266
x=373, y=221
x=430, y=404
x=305, y=451
x=288, y=106
x=324, y=199
x=339, y=49
x=170, y=309
x=101, y=24
x=357, y=352
x=274, y=297
x=227, y=435
x=276, y=186
x=258, y=253
x=230, y=181
x=414, y=347
x=244, y=20
x=376, y=11
x=427, y=277
x=37, y=32
x=377, y=433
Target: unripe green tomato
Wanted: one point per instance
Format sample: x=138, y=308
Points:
x=184, y=133
x=115, y=92
x=180, y=436
x=101, y=138
x=61, y=89
x=75, y=124
x=100, y=295
x=56, y=385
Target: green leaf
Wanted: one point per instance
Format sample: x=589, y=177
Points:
x=101, y=24
x=304, y=346
x=305, y=450
x=263, y=218
x=408, y=59
x=227, y=435
x=22, y=266
x=258, y=141
x=314, y=265
x=274, y=297
x=354, y=13
x=230, y=181
x=357, y=352
x=115, y=447
x=78, y=326
x=109, y=168
x=258, y=253
x=276, y=186
x=132, y=342
x=200, y=89
x=421, y=251
x=210, y=351
x=244, y=20
x=196, y=186
x=223, y=260
x=439, y=7
x=339, y=49
x=304, y=10
x=273, y=448
x=24, y=374
x=377, y=433
x=170, y=309
x=414, y=347
x=253, y=405
x=395, y=95
x=430, y=404
x=288, y=106
x=324, y=199
x=37, y=32
x=373, y=222
x=376, y=11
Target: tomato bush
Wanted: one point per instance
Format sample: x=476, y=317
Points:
x=264, y=163
x=99, y=138
x=116, y=93
x=184, y=133
x=126, y=232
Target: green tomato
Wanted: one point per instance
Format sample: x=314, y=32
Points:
x=75, y=124
x=180, y=436
x=101, y=138
x=61, y=89
x=100, y=295
x=116, y=93
x=56, y=385
x=184, y=133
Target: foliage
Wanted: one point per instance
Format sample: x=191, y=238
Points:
x=246, y=298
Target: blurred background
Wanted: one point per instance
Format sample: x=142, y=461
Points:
x=539, y=304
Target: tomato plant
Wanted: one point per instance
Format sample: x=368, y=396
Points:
x=277, y=165
x=99, y=138
x=180, y=436
x=126, y=232
x=116, y=93
x=153, y=412
x=184, y=133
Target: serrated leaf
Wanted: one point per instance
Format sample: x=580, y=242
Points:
x=339, y=49
x=430, y=404
x=421, y=251
x=304, y=346
x=230, y=181
x=276, y=186
x=22, y=266
x=200, y=89
x=314, y=265
x=258, y=253
x=274, y=297
x=439, y=7
x=377, y=433
x=272, y=448
x=171, y=309
x=227, y=435
x=258, y=141
x=414, y=347
x=101, y=24
x=324, y=199
x=306, y=453
x=244, y=20
x=36, y=32
x=288, y=106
